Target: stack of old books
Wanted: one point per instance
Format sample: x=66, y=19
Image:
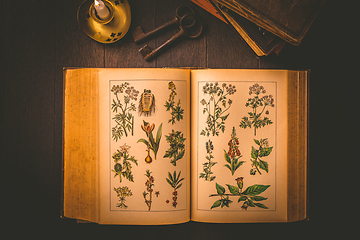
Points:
x=266, y=25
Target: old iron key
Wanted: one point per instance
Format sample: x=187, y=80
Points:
x=149, y=54
x=182, y=10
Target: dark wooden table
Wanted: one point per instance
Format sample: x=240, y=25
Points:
x=41, y=37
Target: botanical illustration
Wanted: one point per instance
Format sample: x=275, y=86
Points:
x=207, y=173
x=175, y=109
x=177, y=146
x=122, y=167
x=233, y=155
x=174, y=181
x=122, y=193
x=149, y=189
x=249, y=197
x=256, y=155
x=152, y=144
x=123, y=118
x=147, y=103
x=258, y=105
x=216, y=107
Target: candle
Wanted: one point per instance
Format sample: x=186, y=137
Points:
x=101, y=9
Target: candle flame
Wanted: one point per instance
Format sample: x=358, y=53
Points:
x=96, y=3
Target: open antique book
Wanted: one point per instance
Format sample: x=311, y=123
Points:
x=166, y=146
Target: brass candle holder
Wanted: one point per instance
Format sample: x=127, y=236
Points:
x=107, y=30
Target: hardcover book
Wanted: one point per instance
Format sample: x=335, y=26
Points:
x=261, y=41
x=289, y=20
x=167, y=146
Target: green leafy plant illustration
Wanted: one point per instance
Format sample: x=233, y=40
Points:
x=174, y=181
x=122, y=193
x=177, y=146
x=249, y=197
x=256, y=155
x=216, y=107
x=233, y=155
x=175, y=109
x=123, y=118
x=206, y=174
x=258, y=106
x=122, y=167
x=152, y=144
x=149, y=189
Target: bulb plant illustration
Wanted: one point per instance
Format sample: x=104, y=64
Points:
x=122, y=167
x=174, y=181
x=151, y=144
x=216, y=107
x=177, y=146
x=258, y=105
x=233, y=155
x=207, y=173
x=249, y=197
x=175, y=109
x=147, y=194
x=122, y=193
x=124, y=120
x=256, y=155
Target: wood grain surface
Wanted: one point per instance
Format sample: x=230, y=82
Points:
x=41, y=37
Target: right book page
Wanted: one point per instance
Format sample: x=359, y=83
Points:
x=239, y=145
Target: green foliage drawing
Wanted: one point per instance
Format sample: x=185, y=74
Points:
x=149, y=189
x=122, y=193
x=258, y=106
x=206, y=174
x=233, y=155
x=152, y=144
x=123, y=118
x=122, y=167
x=177, y=146
x=216, y=107
x=174, y=181
x=249, y=197
x=175, y=110
x=256, y=155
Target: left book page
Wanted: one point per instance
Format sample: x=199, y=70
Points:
x=143, y=130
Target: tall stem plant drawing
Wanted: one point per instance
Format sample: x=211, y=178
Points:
x=152, y=144
x=149, y=189
x=177, y=146
x=256, y=155
x=216, y=107
x=249, y=197
x=175, y=109
x=206, y=174
x=174, y=181
x=122, y=193
x=124, y=120
x=122, y=167
x=233, y=155
x=258, y=106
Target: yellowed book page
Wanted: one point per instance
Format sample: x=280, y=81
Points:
x=135, y=162
x=80, y=157
x=239, y=128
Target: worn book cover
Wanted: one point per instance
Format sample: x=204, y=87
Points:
x=166, y=146
x=290, y=20
x=259, y=40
